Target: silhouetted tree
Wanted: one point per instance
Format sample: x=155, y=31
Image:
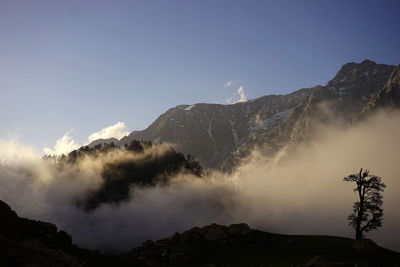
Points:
x=367, y=212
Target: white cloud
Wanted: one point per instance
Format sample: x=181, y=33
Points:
x=242, y=94
x=240, y=97
x=66, y=143
x=229, y=83
x=299, y=192
x=117, y=130
x=12, y=151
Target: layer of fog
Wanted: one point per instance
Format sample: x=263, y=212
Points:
x=302, y=193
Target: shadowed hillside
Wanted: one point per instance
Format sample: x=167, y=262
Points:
x=238, y=245
x=137, y=164
x=25, y=242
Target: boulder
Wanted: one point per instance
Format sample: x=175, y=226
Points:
x=48, y=226
x=6, y=211
x=188, y=236
x=9, y=223
x=240, y=228
x=215, y=234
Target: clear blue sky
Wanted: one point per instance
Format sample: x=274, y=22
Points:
x=85, y=65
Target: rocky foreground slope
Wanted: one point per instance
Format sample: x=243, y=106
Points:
x=32, y=243
x=25, y=242
x=238, y=245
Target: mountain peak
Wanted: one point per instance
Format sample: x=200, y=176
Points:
x=368, y=62
x=358, y=76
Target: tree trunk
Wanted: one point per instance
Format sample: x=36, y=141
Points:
x=361, y=208
x=358, y=233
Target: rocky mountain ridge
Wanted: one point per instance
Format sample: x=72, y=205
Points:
x=388, y=96
x=221, y=135
x=212, y=132
x=341, y=99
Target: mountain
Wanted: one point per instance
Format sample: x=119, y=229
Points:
x=212, y=132
x=388, y=96
x=341, y=99
x=221, y=135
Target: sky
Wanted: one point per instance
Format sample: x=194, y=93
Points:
x=83, y=69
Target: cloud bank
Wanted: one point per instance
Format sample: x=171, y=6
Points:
x=117, y=130
x=66, y=144
x=301, y=193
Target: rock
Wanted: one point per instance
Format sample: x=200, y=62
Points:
x=319, y=261
x=25, y=242
x=240, y=228
x=178, y=256
x=48, y=226
x=9, y=223
x=148, y=243
x=32, y=243
x=366, y=245
x=6, y=211
x=215, y=232
x=189, y=236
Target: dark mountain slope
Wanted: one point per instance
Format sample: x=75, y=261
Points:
x=388, y=96
x=137, y=164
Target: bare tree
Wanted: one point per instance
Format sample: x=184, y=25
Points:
x=367, y=212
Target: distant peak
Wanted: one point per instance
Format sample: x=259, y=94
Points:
x=353, y=65
x=368, y=62
x=355, y=73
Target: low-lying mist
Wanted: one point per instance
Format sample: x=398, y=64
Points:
x=299, y=192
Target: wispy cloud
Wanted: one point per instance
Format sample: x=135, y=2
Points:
x=240, y=96
x=66, y=143
x=117, y=130
x=229, y=83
